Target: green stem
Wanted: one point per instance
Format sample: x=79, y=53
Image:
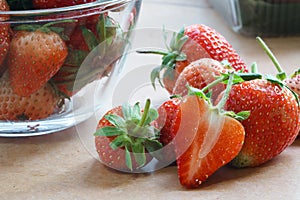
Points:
x=254, y=67
x=163, y=53
x=215, y=82
x=225, y=96
x=145, y=113
x=281, y=74
x=59, y=22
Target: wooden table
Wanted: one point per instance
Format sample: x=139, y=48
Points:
x=59, y=166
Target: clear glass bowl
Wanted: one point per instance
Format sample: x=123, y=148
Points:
x=53, y=59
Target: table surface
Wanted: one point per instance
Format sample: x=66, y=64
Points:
x=59, y=166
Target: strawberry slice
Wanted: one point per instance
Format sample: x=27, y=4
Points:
x=214, y=137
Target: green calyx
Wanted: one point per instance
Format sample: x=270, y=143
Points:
x=133, y=132
x=46, y=28
x=229, y=79
x=169, y=57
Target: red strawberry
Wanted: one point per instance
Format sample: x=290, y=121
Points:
x=207, y=139
x=273, y=124
x=195, y=42
x=294, y=83
x=33, y=58
x=42, y=4
x=125, y=139
x=82, y=41
x=168, y=113
x=198, y=74
x=4, y=32
x=38, y=105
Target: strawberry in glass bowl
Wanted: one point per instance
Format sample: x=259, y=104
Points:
x=51, y=55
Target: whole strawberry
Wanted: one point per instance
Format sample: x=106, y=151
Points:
x=192, y=43
x=82, y=43
x=273, y=124
x=39, y=105
x=36, y=53
x=199, y=74
x=41, y=4
x=4, y=33
x=125, y=139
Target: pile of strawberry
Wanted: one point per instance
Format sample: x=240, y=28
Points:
x=220, y=113
x=39, y=62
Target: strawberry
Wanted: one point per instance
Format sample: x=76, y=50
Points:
x=207, y=138
x=34, y=56
x=82, y=42
x=42, y=4
x=38, y=105
x=125, y=139
x=168, y=112
x=274, y=122
x=198, y=74
x=4, y=32
x=294, y=83
x=194, y=42
x=20, y=4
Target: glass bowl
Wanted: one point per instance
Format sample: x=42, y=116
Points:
x=52, y=58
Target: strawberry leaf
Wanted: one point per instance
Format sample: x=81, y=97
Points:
x=153, y=147
x=109, y=131
x=155, y=74
x=128, y=159
x=120, y=141
x=75, y=57
x=116, y=120
x=89, y=38
x=274, y=80
x=138, y=150
x=151, y=116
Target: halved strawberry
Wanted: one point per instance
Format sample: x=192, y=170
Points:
x=100, y=43
x=36, y=53
x=207, y=138
x=125, y=138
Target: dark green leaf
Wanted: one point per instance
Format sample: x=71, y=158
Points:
x=75, y=57
x=128, y=159
x=196, y=92
x=120, y=141
x=109, y=131
x=136, y=111
x=89, y=38
x=274, y=80
x=138, y=150
x=116, y=120
x=27, y=27
x=154, y=148
x=155, y=74
x=100, y=27
x=152, y=115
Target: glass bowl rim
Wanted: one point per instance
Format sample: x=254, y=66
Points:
x=106, y=5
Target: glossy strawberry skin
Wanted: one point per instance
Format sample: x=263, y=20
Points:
x=198, y=74
x=294, y=83
x=4, y=33
x=33, y=58
x=38, y=105
x=205, y=142
x=169, y=113
x=273, y=123
x=42, y=4
x=204, y=42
